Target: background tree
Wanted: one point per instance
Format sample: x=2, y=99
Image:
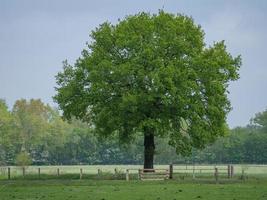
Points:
x=8, y=137
x=75, y=143
x=260, y=121
x=151, y=75
x=32, y=118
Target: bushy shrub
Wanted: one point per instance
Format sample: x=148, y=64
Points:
x=23, y=159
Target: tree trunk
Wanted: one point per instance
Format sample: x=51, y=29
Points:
x=149, y=149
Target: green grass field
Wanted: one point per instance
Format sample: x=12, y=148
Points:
x=132, y=190
x=110, y=186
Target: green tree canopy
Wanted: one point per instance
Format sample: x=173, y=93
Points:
x=5, y=120
x=153, y=75
x=260, y=120
x=7, y=137
x=32, y=119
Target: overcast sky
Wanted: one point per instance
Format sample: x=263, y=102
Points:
x=36, y=36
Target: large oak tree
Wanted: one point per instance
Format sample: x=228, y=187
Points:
x=151, y=75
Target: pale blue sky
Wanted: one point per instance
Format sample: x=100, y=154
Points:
x=36, y=36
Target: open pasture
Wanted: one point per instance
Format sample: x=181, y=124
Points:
x=107, y=182
x=132, y=190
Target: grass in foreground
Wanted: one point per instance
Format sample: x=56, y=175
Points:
x=133, y=190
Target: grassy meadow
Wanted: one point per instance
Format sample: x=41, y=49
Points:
x=111, y=186
x=132, y=190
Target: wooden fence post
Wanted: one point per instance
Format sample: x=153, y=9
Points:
x=216, y=175
x=127, y=174
x=57, y=171
x=8, y=173
x=171, y=171
x=229, y=171
x=232, y=171
x=139, y=174
x=39, y=172
x=23, y=172
x=98, y=172
x=194, y=172
x=81, y=173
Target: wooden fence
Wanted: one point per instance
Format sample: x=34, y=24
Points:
x=170, y=172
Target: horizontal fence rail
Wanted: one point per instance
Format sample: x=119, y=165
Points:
x=154, y=174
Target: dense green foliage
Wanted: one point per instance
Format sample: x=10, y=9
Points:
x=114, y=190
x=38, y=129
x=23, y=159
x=151, y=75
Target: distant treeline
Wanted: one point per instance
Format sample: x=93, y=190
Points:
x=36, y=131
